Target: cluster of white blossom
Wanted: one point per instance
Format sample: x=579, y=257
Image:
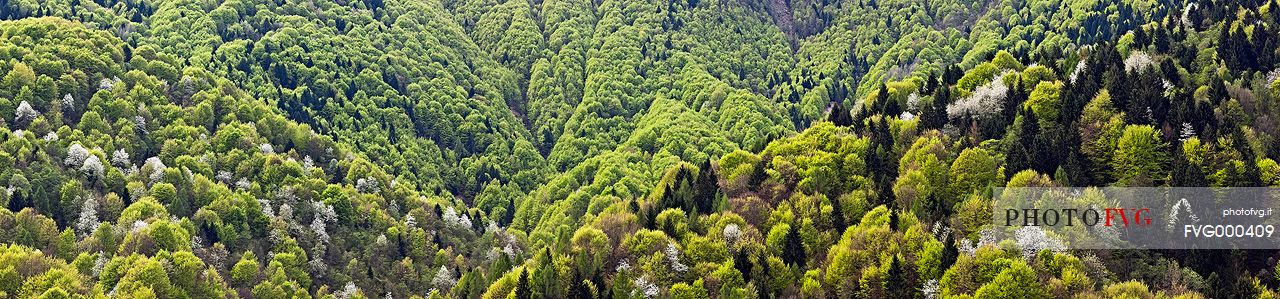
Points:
x=285, y=212
x=1138, y=61
x=941, y=232
x=68, y=103
x=266, y=207
x=25, y=113
x=931, y=289
x=368, y=185
x=323, y=214
x=105, y=84
x=1273, y=76
x=1186, y=132
x=985, y=237
x=732, y=233
x=223, y=176
x=99, y=264
x=1032, y=240
x=51, y=137
x=394, y=207
x=644, y=287
x=243, y=184
x=985, y=102
x=1186, y=13
x=673, y=257
x=347, y=291
x=444, y=279
x=913, y=101
x=511, y=249
x=88, y=221
x=1177, y=209
x=1075, y=73
x=906, y=115
x=410, y=221
x=157, y=169
x=120, y=158
x=140, y=124
x=452, y=217
x=76, y=155
x=138, y=225
x=317, y=264
x=93, y=167
x=266, y=149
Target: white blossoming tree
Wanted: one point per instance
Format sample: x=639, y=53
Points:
x=25, y=114
x=68, y=103
x=732, y=233
x=443, y=279
x=76, y=154
x=673, y=257
x=157, y=169
x=985, y=102
x=93, y=168
x=88, y=221
x=1137, y=62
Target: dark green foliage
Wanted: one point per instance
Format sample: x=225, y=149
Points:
x=522, y=286
x=793, y=252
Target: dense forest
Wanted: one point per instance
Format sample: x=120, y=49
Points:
x=615, y=148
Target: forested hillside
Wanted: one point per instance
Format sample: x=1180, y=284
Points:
x=615, y=148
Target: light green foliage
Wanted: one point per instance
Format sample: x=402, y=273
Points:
x=1045, y=100
x=1016, y=281
x=1140, y=157
x=1100, y=128
x=973, y=171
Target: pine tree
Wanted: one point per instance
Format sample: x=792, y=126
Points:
x=742, y=263
x=952, y=75
x=579, y=289
x=1274, y=10
x=886, y=195
x=892, y=108
x=758, y=174
x=1185, y=173
x=935, y=116
x=837, y=215
x=893, y=218
x=793, y=249
x=509, y=215
x=896, y=283
x=949, y=253
x=839, y=116
x=706, y=188
x=522, y=285
x=1025, y=152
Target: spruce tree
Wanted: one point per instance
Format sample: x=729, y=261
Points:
x=706, y=188
x=896, y=283
x=839, y=116
x=793, y=248
x=522, y=285
x=742, y=263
